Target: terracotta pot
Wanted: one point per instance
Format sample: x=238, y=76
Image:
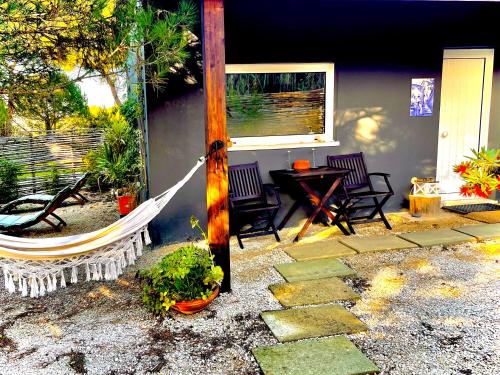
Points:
x=196, y=305
x=299, y=165
x=126, y=203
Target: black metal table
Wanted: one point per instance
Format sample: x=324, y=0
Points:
x=300, y=185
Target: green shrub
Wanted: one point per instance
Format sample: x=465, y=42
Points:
x=188, y=273
x=9, y=180
x=52, y=182
x=90, y=166
x=117, y=163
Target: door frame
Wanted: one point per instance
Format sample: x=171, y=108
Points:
x=479, y=53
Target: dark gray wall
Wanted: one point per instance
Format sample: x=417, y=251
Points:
x=377, y=47
x=176, y=140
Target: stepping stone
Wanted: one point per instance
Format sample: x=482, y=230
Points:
x=332, y=356
x=481, y=231
x=319, y=250
x=376, y=243
x=309, y=322
x=313, y=269
x=313, y=292
x=437, y=237
x=485, y=216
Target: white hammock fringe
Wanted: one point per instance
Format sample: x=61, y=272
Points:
x=37, y=265
x=38, y=278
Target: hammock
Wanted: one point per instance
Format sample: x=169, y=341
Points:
x=37, y=266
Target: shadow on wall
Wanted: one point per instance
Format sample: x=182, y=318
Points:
x=367, y=129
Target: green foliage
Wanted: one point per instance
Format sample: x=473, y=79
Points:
x=481, y=173
x=4, y=116
x=58, y=99
x=9, y=180
x=188, y=273
x=52, y=181
x=117, y=163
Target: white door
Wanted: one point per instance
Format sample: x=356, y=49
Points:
x=465, y=110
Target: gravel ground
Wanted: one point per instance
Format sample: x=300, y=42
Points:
x=429, y=311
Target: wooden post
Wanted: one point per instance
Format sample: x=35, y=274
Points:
x=214, y=73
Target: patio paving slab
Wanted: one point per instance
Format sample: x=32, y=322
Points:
x=437, y=237
x=333, y=356
x=481, y=231
x=319, y=250
x=376, y=243
x=313, y=269
x=486, y=216
x=313, y=292
x=309, y=322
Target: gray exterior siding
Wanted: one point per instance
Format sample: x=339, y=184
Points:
x=373, y=74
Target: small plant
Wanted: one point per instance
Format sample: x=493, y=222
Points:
x=117, y=163
x=9, y=180
x=481, y=173
x=187, y=274
x=52, y=182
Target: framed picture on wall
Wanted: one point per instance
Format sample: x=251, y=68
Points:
x=422, y=97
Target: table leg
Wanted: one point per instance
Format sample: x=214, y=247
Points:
x=318, y=209
x=316, y=200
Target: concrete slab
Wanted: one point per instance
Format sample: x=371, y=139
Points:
x=319, y=250
x=313, y=292
x=481, y=231
x=309, y=322
x=313, y=269
x=332, y=356
x=485, y=217
x=376, y=243
x=437, y=237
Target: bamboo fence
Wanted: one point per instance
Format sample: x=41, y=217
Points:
x=37, y=153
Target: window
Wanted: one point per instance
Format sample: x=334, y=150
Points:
x=279, y=105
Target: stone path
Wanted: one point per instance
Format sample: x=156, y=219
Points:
x=309, y=322
x=319, y=250
x=313, y=269
x=314, y=282
x=333, y=355
x=313, y=292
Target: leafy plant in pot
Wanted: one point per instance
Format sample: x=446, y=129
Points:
x=481, y=173
x=119, y=163
x=186, y=280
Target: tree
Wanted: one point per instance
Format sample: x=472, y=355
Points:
x=58, y=99
x=37, y=37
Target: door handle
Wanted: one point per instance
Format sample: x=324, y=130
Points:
x=444, y=134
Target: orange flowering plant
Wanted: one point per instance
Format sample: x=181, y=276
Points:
x=481, y=173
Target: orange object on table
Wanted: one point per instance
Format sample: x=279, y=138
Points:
x=301, y=165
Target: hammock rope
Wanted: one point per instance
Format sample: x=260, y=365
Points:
x=36, y=267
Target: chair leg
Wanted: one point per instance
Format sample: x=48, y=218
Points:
x=380, y=212
x=349, y=225
x=61, y=221
x=83, y=198
x=239, y=241
x=54, y=226
x=275, y=233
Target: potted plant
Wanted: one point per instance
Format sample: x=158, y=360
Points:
x=186, y=280
x=118, y=162
x=481, y=173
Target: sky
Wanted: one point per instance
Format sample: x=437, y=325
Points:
x=97, y=93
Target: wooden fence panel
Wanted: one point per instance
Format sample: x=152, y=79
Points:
x=36, y=153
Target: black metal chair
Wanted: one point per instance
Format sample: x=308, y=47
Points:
x=358, y=188
x=249, y=204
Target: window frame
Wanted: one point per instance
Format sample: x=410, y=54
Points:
x=290, y=141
